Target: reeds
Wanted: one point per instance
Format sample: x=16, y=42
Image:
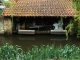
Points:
x=49, y=52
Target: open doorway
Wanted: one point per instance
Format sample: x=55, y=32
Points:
x=39, y=23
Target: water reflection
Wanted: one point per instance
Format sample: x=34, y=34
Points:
x=27, y=41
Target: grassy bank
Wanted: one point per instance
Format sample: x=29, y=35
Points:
x=49, y=52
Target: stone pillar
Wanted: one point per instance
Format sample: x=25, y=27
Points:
x=1, y=26
x=7, y=26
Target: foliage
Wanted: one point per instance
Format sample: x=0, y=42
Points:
x=6, y=3
x=61, y=23
x=73, y=27
x=49, y=52
x=77, y=18
x=76, y=4
x=9, y=5
x=1, y=12
x=69, y=28
x=9, y=52
x=78, y=34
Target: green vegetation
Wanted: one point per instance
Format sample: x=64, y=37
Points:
x=9, y=5
x=74, y=27
x=61, y=23
x=76, y=4
x=9, y=52
x=1, y=12
x=49, y=52
x=69, y=28
x=6, y=3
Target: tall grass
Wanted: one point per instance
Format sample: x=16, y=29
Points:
x=49, y=52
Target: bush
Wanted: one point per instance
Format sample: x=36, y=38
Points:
x=49, y=52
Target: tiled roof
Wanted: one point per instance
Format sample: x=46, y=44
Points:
x=41, y=8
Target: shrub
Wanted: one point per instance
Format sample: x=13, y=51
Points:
x=49, y=52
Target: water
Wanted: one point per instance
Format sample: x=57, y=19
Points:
x=28, y=41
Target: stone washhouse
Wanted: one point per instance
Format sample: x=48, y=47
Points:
x=36, y=16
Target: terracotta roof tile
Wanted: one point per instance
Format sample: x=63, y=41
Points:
x=41, y=8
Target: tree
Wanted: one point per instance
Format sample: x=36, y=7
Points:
x=76, y=6
x=74, y=26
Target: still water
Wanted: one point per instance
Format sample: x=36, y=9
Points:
x=28, y=41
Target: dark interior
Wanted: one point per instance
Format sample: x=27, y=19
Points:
x=44, y=23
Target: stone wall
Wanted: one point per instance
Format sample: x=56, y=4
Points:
x=1, y=26
x=7, y=26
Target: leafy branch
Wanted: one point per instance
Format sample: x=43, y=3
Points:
x=69, y=28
